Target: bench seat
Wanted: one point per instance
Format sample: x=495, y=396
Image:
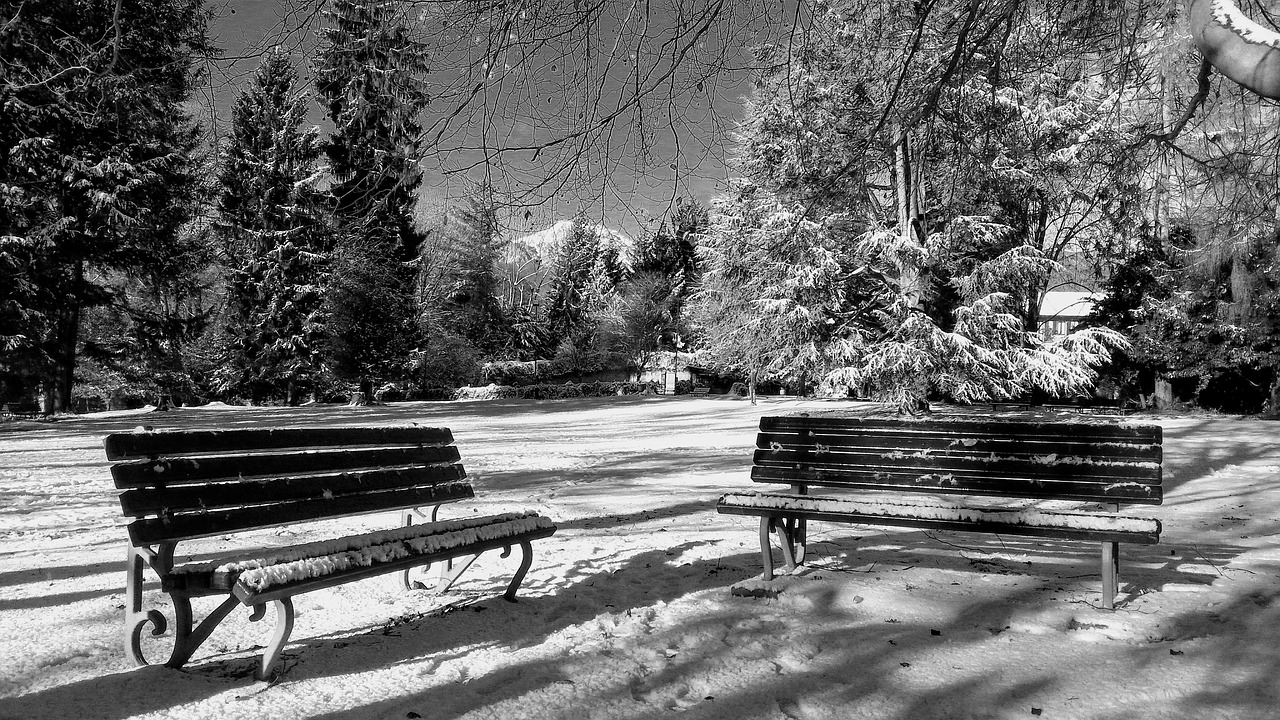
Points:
x=297, y=569
x=1034, y=522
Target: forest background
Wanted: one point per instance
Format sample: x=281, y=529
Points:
x=903, y=182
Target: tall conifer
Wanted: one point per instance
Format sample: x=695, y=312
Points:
x=97, y=164
x=275, y=238
x=369, y=75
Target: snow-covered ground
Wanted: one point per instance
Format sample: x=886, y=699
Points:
x=627, y=611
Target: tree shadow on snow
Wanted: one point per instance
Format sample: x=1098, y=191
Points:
x=615, y=582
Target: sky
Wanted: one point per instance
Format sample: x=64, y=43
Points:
x=674, y=144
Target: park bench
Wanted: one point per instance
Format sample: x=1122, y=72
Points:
x=999, y=405
x=701, y=390
x=901, y=466
x=182, y=485
x=1089, y=408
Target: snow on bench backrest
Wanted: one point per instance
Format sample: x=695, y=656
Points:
x=1099, y=461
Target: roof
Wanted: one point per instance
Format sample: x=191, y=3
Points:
x=1061, y=305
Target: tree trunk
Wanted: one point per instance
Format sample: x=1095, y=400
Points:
x=363, y=396
x=68, y=336
x=1163, y=394
x=48, y=396
x=1273, y=404
x=910, y=230
x=908, y=272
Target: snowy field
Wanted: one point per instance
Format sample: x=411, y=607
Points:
x=627, y=611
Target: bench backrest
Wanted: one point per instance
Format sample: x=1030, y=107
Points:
x=1083, y=461
x=180, y=484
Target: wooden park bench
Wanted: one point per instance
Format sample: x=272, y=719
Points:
x=1096, y=465
x=182, y=485
x=999, y=405
x=1088, y=408
x=700, y=390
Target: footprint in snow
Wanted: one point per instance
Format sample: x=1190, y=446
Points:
x=790, y=708
x=667, y=698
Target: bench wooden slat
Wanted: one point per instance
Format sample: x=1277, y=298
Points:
x=248, y=597
x=957, y=484
x=1000, y=528
x=125, y=446
x=150, y=530
x=960, y=445
x=176, y=470
x=1030, y=468
x=214, y=496
x=901, y=428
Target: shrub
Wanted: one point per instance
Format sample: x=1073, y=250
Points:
x=435, y=393
x=550, y=391
x=508, y=372
x=487, y=392
x=391, y=392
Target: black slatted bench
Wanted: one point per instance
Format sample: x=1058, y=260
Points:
x=999, y=405
x=902, y=467
x=182, y=485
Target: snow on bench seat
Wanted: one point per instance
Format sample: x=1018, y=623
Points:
x=288, y=566
x=1027, y=521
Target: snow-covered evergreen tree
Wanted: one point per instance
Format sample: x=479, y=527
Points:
x=98, y=165
x=777, y=288
x=460, y=311
x=275, y=239
x=581, y=295
x=369, y=76
x=866, y=245
x=665, y=271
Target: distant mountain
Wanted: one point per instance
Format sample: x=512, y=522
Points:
x=546, y=243
x=523, y=268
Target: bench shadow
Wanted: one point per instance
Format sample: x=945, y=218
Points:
x=612, y=583
x=49, y=573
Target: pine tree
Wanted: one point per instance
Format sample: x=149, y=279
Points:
x=911, y=272
x=460, y=266
x=369, y=76
x=574, y=276
x=96, y=162
x=582, y=299
x=275, y=239
x=667, y=264
x=464, y=322
x=777, y=289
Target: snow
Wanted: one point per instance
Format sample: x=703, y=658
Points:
x=626, y=611
x=943, y=512
x=1225, y=13
x=325, y=557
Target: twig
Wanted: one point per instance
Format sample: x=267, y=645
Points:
x=1207, y=560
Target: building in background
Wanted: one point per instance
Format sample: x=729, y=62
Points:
x=1061, y=312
